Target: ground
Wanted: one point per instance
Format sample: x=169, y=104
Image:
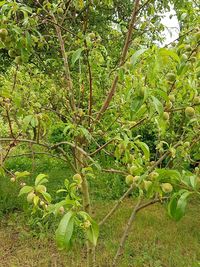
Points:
x=155, y=241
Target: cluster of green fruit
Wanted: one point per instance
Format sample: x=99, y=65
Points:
x=11, y=52
x=34, y=196
x=132, y=179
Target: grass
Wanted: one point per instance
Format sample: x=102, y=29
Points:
x=154, y=241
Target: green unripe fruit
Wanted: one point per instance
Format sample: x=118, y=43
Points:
x=99, y=132
x=11, y=53
x=171, y=77
x=134, y=170
x=184, y=57
x=18, y=60
x=87, y=224
x=186, y=144
x=60, y=11
x=80, y=112
x=169, y=105
x=188, y=48
x=167, y=187
x=3, y=33
x=42, y=203
x=30, y=197
x=147, y=184
x=189, y=112
x=196, y=100
x=61, y=210
x=153, y=175
x=166, y=116
x=77, y=178
x=12, y=179
x=172, y=98
x=92, y=35
x=193, y=59
x=129, y=179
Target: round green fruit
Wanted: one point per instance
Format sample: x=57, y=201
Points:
x=147, y=185
x=77, y=178
x=11, y=53
x=189, y=112
x=196, y=100
x=92, y=35
x=169, y=105
x=12, y=179
x=186, y=144
x=87, y=224
x=61, y=210
x=60, y=11
x=129, y=179
x=172, y=98
x=100, y=132
x=134, y=170
x=153, y=175
x=42, y=203
x=18, y=60
x=30, y=197
x=184, y=57
x=166, y=116
x=188, y=48
x=171, y=77
x=193, y=59
x=3, y=33
x=167, y=187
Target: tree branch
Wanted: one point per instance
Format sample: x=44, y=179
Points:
x=122, y=60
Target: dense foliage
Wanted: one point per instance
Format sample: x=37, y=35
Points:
x=94, y=86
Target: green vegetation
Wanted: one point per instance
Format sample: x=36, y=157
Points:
x=99, y=133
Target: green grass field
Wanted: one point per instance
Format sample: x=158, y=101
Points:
x=154, y=241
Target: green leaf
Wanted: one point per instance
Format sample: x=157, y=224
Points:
x=65, y=231
x=36, y=200
x=177, y=206
x=170, y=53
x=46, y=196
x=165, y=173
x=2, y=3
x=193, y=181
x=25, y=190
x=93, y=232
x=41, y=179
x=136, y=55
x=76, y=55
x=158, y=105
x=21, y=174
x=144, y=148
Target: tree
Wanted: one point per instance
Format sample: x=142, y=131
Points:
x=103, y=85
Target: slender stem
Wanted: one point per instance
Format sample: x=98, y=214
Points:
x=136, y=209
x=125, y=234
x=118, y=203
x=66, y=65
